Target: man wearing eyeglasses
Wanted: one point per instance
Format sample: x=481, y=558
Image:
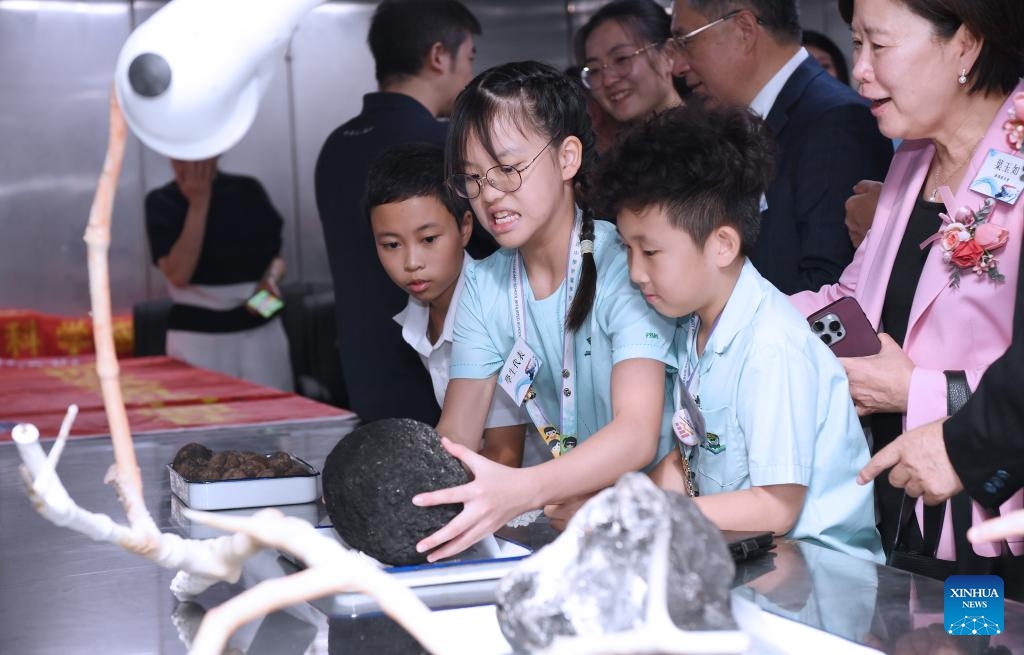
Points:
x=748, y=52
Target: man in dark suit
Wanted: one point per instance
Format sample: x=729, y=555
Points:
x=424, y=52
x=749, y=53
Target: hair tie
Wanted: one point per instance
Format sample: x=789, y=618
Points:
x=587, y=246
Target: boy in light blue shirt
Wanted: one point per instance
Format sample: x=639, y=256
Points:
x=768, y=435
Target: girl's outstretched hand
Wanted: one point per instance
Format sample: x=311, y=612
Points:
x=494, y=496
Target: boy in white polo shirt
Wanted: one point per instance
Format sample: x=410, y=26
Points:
x=421, y=233
x=768, y=435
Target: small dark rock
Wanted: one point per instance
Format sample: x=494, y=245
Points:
x=189, y=468
x=193, y=451
x=235, y=474
x=280, y=462
x=208, y=473
x=369, y=480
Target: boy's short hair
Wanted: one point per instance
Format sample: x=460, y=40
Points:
x=403, y=31
x=410, y=170
x=705, y=167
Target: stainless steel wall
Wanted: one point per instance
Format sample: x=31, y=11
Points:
x=56, y=65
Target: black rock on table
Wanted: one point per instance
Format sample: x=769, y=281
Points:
x=369, y=480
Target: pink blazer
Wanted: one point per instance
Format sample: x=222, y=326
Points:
x=950, y=329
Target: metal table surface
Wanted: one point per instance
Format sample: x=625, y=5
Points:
x=63, y=593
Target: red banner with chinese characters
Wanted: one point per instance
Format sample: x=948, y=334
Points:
x=25, y=333
x=160, y=394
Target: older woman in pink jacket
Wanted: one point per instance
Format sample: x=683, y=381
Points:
x=937, y=272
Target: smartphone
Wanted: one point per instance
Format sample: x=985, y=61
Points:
x=843, y=327
x=265, y=303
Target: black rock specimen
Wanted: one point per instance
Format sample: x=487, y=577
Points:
x=629, y=548
x=370, y=478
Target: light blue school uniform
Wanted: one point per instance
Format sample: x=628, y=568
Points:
x=778, y=401
x=621, y=326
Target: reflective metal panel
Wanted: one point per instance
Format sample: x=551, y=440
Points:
x=56, y=60
x=331, y=70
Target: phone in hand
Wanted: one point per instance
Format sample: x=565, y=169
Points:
x=265, y=303
x=843, y=327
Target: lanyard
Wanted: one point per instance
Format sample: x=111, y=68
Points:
x=566, y=429
x=690, y=373
x=691, y=369
x=688, y=421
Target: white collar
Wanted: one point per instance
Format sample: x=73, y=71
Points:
x=766, y=97
x=416, y=316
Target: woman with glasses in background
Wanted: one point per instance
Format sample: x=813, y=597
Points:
x=626, y=66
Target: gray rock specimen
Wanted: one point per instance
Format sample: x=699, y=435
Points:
x=369, y=480
x=630, y=548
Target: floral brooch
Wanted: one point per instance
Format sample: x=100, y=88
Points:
x=968, y=241
x=1014, y=126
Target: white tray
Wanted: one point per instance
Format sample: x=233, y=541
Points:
x=309, y=512
x=469, y=578
x=246, y=492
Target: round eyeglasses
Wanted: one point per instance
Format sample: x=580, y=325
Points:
x=503, y=177
x=621, y=65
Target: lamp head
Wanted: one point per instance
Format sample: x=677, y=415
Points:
x=190, y=79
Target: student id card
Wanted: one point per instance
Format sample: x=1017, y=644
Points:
x=519, y=371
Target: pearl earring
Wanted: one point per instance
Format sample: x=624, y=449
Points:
x=963, y=77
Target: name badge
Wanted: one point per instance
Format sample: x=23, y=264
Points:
x=1001, y=177
x=519, y=371
x=683, y=427
x=688, y=421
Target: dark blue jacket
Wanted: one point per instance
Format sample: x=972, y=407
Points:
x=384, y=376
x=828, y=141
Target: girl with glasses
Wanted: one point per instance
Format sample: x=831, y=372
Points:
x=626, y=64
x=550, y=319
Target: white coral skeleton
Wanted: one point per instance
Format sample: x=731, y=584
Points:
x=330, y=568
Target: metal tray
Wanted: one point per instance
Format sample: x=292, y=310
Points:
x=247, y=492
x=469, y=578
x=309, y=512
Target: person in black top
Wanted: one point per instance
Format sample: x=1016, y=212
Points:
x=980, y=448
x=424, y=56
x=216, y=238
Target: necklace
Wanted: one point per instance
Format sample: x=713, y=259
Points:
x=940, y=178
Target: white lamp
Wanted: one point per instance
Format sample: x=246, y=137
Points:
x=190, y=79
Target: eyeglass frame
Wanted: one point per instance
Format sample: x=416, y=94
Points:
x=480, y=179
x=680, y=41
x=587, y=71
